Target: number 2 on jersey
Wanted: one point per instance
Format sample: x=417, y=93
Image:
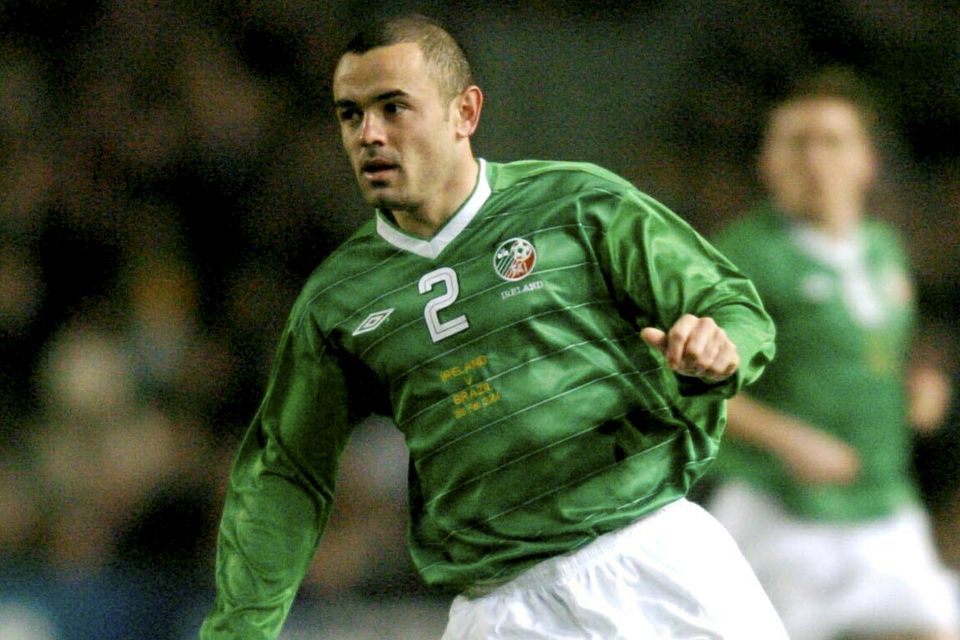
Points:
x=440, y=330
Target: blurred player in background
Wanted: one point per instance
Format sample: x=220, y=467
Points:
x=556, y=348
x=816, y=484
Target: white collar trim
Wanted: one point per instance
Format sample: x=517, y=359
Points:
x=431, y=248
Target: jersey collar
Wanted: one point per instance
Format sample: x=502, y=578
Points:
x=432, y=247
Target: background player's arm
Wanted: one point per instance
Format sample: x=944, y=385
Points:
x=810, y=454
x=280, y=493
x=930, y=396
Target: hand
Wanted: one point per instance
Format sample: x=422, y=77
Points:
x=695, y=347
x=929, y=394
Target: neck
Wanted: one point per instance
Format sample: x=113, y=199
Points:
x=838, y=226
x=426, y=219
x=839, y=219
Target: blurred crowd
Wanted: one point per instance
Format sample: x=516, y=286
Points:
x=162, y=170
x=170, y=173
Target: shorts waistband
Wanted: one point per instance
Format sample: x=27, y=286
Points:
x=558, y=568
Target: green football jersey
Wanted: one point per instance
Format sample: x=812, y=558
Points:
x=506, y=349
x=844, y=315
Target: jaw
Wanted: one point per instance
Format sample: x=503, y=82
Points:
x=380, y=188
x=385, y=195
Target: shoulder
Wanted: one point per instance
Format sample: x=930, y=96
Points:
x=881, y=232
x=761, y=220
x=592, y=194
x=343, y=271
x=757, y=229
x=755, y=240
x=885, y=243
x=584, y=175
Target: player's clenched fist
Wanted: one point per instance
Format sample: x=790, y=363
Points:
x=695, y=347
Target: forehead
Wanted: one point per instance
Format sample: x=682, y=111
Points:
x=813, y=116
x=398, y=67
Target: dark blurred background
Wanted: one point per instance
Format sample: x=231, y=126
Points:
x=170, y=173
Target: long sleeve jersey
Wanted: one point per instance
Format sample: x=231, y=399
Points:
x=506, y=348
x=845, y=316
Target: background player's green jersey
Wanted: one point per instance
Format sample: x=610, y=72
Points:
x=843, y=332
x=506, y=349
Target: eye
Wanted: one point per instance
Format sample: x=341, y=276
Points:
x=348, y=115
x=393, y=108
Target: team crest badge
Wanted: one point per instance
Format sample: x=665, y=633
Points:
x=514, y=259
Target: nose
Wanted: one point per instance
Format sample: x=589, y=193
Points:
x=821, y=162
x=372, y=130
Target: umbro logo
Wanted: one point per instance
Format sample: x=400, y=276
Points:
x=373, y=321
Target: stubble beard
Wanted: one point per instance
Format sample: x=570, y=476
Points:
x=379, y=199
x=381, y=194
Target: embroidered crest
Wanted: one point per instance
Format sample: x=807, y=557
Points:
x=514, y=259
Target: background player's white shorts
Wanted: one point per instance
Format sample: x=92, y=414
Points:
x=827, y=579
x=673, y=574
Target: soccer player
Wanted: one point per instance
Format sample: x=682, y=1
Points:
x=556, y=348
x=815, y=466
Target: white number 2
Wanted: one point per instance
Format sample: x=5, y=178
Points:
x=440, y=330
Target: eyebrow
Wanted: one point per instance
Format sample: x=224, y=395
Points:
x=383, y=97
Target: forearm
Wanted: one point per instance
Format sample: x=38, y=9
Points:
x=268, y=534
x=760, y=425
x=810, y=454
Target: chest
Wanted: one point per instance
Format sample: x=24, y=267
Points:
x=862, y=312
x=492, y=300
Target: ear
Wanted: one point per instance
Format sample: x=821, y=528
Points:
x=468, y=106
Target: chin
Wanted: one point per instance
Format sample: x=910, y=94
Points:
x=383, y=200
x=376, y=197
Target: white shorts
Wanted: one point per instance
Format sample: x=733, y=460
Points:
x=828, y=579
x=673, y=574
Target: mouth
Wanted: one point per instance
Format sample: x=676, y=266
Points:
x=377, y=168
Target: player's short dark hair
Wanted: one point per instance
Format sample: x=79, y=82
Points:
x=440, y=49
x=841, y=83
